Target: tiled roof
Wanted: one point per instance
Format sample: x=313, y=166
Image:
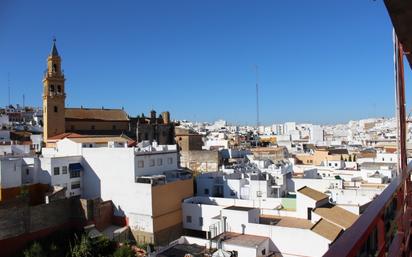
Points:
x=98, y=140
x=336, y=215
x=96, y=114
x=64, y=135
x=327, y=230
x=312, y=193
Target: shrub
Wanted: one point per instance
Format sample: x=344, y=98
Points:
x=35, y=250
x=124, y=251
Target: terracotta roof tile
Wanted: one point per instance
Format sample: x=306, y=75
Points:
x=96, y=114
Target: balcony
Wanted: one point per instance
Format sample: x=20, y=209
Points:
x=384, y=229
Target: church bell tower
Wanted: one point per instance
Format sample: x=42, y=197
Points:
x=53, y=96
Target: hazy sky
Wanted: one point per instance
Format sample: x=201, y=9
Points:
x=321, y=61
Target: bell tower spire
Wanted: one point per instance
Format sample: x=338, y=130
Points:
x=53, y=96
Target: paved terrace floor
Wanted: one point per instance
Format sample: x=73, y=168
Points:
x=289, y=222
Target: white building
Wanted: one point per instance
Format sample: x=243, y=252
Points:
x=315, y=222
x=135, y=179
x=316, y=134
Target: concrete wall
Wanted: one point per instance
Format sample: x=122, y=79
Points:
x=10, y=172
x=321, y=185
x=200, y=161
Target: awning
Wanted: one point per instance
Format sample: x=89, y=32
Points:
x=75, y=167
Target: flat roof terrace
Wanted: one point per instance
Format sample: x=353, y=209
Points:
x=289, y=222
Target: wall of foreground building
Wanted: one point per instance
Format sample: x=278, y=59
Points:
x=161, y=223
x=21, y=223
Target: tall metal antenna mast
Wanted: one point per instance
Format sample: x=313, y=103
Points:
x=8, y=85
x=257, y=97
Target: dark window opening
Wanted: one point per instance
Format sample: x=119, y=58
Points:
x=310, y=213
x=75, y=174
x=59, y=89
x=54, y=67
x=51, y=88
x=56, y=109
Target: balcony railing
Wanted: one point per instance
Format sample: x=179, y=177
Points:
x=380, y=230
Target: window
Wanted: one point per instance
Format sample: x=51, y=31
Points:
x=64, y=170
x=152, y=162
x=200, y=221
x=206, y=191
x=189, y=219
x=159, y=162
x=75, y=174
x=56, y=109
x=264, y=252
x=336, y=165
x=75, y=185
x=59, y=89
x=169, y=160
x=232, y=193
x=52, y=88
x=27, y=171
x=56, y=171
x=140, y=164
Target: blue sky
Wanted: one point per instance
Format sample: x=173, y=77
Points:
x=319, y=61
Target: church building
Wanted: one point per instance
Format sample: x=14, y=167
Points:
x=58, y=119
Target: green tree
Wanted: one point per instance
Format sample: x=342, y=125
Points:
x=124, y=251
x=102, y=246
x=82, y=247
x=35, y=250
x=54, y=250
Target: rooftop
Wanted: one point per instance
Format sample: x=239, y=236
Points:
x=312, y=193
x=239, y=208
x=327, y=230
x=181, y=250
x=100, y=140
x=243, y=240
x=336, y=215
x=96, y=114
x=289, y=222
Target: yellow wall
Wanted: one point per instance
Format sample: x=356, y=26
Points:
x=167, y=203
x=319, y=156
